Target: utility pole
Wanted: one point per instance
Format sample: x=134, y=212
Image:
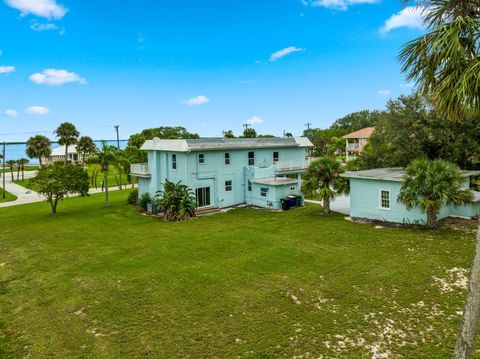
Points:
x=118, y=138
x=3, y=171
x=308, y=124
x=246, y=125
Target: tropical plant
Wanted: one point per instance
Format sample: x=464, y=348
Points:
x=122, y=167
x=228, y=134
x=177, y=200
x=249, y=133
x=21, y=163
x=133, y=197
x=445, y=64
x=432, y=185
x=38, y=147
x=164, y=132
x=104, y=158
x=322, y=180
x=86, y=147
x=67, y=135
x=11, y=165
x=337, y=145
x=55, y=182
x=145, y=200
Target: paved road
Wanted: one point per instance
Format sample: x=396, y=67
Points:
x=341, y=204
x=25, y=195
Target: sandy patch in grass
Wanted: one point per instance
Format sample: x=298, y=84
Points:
x=455, y=279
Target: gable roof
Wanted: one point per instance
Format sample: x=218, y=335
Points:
x=60, y=150
x=362, y=133
x=204, y=144
x=390, y=174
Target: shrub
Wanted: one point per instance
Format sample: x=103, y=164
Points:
x=133, y=197
x=177, y=200
x=145, y=200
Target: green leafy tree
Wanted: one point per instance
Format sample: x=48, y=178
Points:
x=164, y=132
x=11, y=165
x=228, y=134
x=356, y=121
x=432, y=185
x=67, y=135
x=323, y=181
x=249, y=133
x=322, y=139
x=38, y=147
x=135, y=155
x=105, y=157
x=445, y=65
x=55, y=182
x=177, y=201
x=86, y=147
x=337, y=145
x=288, y=135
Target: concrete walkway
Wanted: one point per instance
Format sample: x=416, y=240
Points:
x=24, y=195
x=340, y=204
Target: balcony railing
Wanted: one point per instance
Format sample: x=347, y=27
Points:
x=353, y=146
x=140, y=169
x=292, y=165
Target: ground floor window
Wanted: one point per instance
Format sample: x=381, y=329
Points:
x=384, y=199
x=228, y=186
x=263, y=192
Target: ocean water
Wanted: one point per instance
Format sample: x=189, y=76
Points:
x=17, y=150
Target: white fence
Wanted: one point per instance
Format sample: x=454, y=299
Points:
x=292, y=165
x=139, y=169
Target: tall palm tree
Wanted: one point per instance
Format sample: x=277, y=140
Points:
x=11, y=165
x=67, y=135
x=445, y=64
x=86, y=146
x=38, y=147
x=323, y=180
x=105, y=157
x=432, y=185
x=21, y=163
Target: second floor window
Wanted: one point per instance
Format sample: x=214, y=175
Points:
x=249, y=186
x=263, y=192
x=201, y=158
x=228, y=186
x=174, y=162
x=251, y=158
x=275, y=157
x=227, y=158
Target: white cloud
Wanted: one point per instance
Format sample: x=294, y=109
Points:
x=384, y=92
x=37, y=110
x=284, y=52
x=410, y=17
x=341, y=5
x=254, y=120
x=55, y=77
x=6, y=69
x=10, y=113
x=195, y=101
x=43, y=8
x=43, y=27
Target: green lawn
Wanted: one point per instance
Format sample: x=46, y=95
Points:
x=111, y=179
x=8, y=196
x=96, y=282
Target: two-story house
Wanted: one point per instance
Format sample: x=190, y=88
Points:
x=226, y=172
x=356, y=141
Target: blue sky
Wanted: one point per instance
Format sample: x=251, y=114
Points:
x=208, y=65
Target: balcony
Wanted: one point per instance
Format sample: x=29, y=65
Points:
x=139, y=170
x=353, y=147
x=292, y=166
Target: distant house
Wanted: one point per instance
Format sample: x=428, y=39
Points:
x=58, y=154
x=356, y=141
x=226, y=172
x=373, y=195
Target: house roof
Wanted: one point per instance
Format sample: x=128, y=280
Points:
x=362, y=133
x=390, y=174
x=204, y=144
x=60, y=150
x=274, y=181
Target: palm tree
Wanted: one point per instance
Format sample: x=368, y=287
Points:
x=19, y=166
x=323, y=180
x=432, y=185
x=85, y=146
x=11, y=164
x=178, y=201
x=104, y=158
x=21, y=163
x=445, y=64
x=67, y=135
x=38, y=147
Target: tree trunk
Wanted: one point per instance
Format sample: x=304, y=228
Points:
x=40, y=161
x=18, y=173
x=66, y=154
x=432, y=221
x=326, y=206
x=23, y=172
x=53, y=204
x=471, y=311
x=106, y=189
x=11, y=173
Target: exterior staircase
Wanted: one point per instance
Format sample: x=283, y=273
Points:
x=207, y=211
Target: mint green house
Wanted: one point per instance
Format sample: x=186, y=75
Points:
x=226, y=172
x=373, y=196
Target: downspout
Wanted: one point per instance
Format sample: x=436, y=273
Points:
x=214, y=178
